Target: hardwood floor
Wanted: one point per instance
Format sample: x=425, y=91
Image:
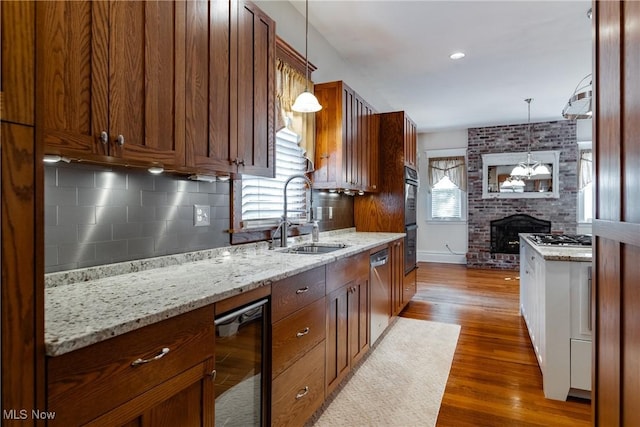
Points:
x=494, y=379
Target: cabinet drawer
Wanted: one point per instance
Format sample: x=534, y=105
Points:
x=299, y=391
x=346, y=270
x=293, y=293
x=296, y=334
x=88, y=382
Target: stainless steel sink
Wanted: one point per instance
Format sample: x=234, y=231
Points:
x=315, y=248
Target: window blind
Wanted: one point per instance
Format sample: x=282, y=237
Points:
x=262, y=198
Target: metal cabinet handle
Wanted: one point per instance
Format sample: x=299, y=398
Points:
x=104, y=137
x=589, y=292
x=120, y=140
x=241, y=162
x=302, y=393
x=160, y=355
x=213, y=374
x=302, y=290
x=303, y=332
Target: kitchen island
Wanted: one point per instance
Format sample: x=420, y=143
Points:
x=555, y=302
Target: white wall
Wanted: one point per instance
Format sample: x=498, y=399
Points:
x=433, y=236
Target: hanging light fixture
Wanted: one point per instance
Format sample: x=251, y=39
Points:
x=579, y=105
x=306, y=102
x=529, y=168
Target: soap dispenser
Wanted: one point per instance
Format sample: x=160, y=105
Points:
x=315, y=232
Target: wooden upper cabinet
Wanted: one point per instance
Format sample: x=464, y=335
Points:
x=230, y=94
x=346, y=140
x=111, y=81
x=17, y=74
x=410, y=143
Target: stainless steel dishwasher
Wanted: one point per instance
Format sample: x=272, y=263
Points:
x=380, y=277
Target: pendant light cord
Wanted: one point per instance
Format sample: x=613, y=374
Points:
x=528, y=101
x=306, y=46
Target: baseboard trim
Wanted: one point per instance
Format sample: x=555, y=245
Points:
x=443, y=257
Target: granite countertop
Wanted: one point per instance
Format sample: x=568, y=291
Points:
x=86, y=306
x=560, y=253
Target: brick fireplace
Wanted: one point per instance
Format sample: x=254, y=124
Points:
x=561, y=212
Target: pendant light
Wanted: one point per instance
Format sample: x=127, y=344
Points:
x=306, y=102
x=529, y=168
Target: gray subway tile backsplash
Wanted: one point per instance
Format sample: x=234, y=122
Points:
x=97, y=215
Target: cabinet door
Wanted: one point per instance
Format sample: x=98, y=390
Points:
x=72, y=85
x=112, y=69
x=186, y=400
x=209, y=93
x=397, y=275
x=146, y=81
x=337, y=348
x=372, y=150
x=358, y=319
x=346, y=140
x=349, y=123
x=410, y=143
x=230, y=89
x=255, y=71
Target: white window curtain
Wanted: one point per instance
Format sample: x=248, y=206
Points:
x=289, y=84
x=585, y=168
x=453, y=168
x=262, y=201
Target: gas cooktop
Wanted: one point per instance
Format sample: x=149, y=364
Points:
x=561, y=239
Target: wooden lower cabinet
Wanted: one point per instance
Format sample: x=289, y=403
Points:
x=347, y=317
x=299, y=391
x=409, y=287
x=191, y=402
x=396, y=260
x=105, y=384
x=297, y=347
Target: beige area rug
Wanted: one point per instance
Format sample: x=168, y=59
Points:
x=401, y=382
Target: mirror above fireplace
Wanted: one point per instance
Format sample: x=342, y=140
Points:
x=497, y=182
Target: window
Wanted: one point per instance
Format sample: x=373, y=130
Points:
x=447, y=199
x=585, y=186
x=262, y=201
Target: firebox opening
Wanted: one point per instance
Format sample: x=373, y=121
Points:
x=504, y=232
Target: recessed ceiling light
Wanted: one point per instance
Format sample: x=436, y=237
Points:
x=457, y=55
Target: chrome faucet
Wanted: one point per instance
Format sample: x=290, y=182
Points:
x=284, y=224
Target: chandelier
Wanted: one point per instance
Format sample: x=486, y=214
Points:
x=530, y=168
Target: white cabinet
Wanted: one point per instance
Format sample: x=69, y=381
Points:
x=555, y=303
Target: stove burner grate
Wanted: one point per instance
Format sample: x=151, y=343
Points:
x=562, y=239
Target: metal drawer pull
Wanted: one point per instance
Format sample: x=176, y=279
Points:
x=303, y=392
x=213, y=374
x=302, y=290
x=156, y=357
x=104, y=137
x=303, y=332
x=120, y=140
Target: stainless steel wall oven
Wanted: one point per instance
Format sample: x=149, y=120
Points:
x=410, y=226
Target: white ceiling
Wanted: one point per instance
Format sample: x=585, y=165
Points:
x=514, y=50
